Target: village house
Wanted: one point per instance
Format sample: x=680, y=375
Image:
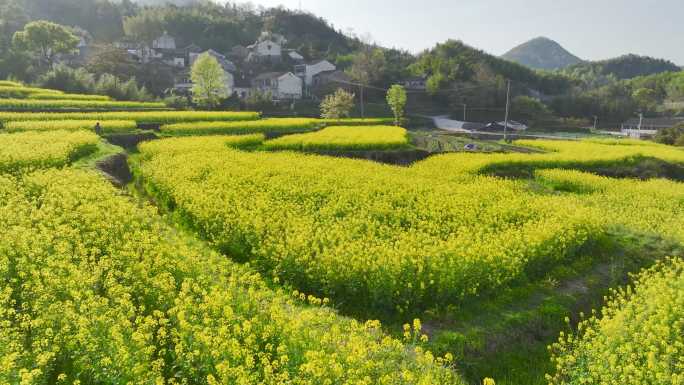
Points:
x=293, y=56
x=282, y=86
x=417, y=83
x=265, y=51
x=308, y=71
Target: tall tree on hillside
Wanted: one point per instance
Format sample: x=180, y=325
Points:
x=208, y=82
x=396, y=98
x=45, y=39
x=145, y=26
x=108, y=59
x=367, y=66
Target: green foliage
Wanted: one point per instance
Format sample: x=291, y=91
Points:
x=530, y=110
x=645, y=99
x=671, y=136
x=367, y=65
x=259, y=101
x=80, y=81
x=337, y=105
x=111, y=60
x=177, y=102
x=620, y=68
x=209, y=87
x=396, y=98
x=46, y=39
x=455, y=62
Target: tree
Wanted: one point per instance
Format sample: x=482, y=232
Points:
x=208, y=82
x=45, y=38
x=144, y=27
x=645, y=99
x=111, y=60
x=367, y=67
x=671, y=136
x=396, y=98
x=530, y=110
x=337, y=105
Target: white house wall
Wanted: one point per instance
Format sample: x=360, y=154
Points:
x=289, y=87
x=268, y=48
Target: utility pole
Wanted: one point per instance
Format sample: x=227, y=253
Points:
x=508, y=106
x=641, y=121
x=595, y=122
x=465, y=108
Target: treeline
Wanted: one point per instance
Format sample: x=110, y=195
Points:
x=619, y=100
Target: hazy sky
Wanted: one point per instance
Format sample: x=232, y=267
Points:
x=591, y=29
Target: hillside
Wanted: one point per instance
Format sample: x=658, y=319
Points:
x=456, y=62
x=623, y=67
x=542, y=53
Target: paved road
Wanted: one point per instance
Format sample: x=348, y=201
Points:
x=444, y=123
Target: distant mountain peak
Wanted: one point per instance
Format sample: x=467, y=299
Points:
x=542, y=53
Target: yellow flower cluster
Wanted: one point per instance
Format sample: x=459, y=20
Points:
x=275, y=125
x=154, y=117
x=358, y=122
x=560, y=154
x=26, y=151
x=58, y=96
x=206, y=144
x=58, y=104
x=15, y=90
x=377, y=238
x=638, y=339
x=654, y=206
x=344, y=138
x=95, y=288
x=9, y=83
x=108, y=126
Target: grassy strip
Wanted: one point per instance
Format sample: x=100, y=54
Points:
x=344, y=138
x=28, y=151
x=108, y=126
x=274, y=125
x=141, y=117
x=83, y=105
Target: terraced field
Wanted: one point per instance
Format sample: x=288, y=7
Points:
x=271, y=266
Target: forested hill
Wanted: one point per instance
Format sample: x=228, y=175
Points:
x=202, y=22
x=456, y=62
x=542, y=53
x=623, y=67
